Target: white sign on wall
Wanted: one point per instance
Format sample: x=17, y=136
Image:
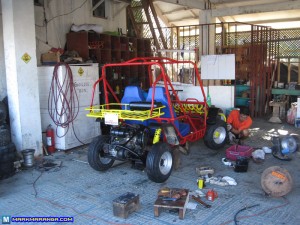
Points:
x=218, y=67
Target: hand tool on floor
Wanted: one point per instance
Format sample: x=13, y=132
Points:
x=197, y=199
x=169, y=199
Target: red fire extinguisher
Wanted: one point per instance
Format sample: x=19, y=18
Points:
x=50, y=139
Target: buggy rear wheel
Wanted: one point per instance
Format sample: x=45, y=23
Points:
x=159, y=163
x=216, y=135
x=96, y=157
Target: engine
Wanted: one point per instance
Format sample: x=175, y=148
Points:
x=128, y=142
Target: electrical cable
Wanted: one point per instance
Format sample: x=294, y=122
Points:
x=63, y=206
x=261, y=212
x=247, y=207
x=65, y=14
x=63, y=102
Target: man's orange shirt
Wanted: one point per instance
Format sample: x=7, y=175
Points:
x=234, y=120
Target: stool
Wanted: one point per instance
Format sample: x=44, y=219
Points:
x=278, y=111
x=126, y=204
x=180, y=204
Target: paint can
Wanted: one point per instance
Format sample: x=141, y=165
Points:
x=200, y=183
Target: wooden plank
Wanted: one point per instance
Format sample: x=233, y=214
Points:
x=278, y=71
x=289, y=71
x=299, y=71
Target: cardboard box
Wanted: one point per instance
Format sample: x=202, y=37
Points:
x=50, y=58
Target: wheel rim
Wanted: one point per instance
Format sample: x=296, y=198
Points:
x=165, y=163
x=219, y=135
x=104, y=160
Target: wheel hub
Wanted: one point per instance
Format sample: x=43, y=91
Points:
x=219, y=135
x=165, y=163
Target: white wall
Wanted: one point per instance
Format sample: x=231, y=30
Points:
x=3, y=89
x=60, y=26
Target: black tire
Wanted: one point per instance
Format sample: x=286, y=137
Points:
x=7, y=169
x=216, y=135
x=10, y=148
x=8, y=157
x=159, y=163
x=3, y=113
x=5, y=138
x=95, y=153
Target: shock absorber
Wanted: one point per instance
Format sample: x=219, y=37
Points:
x=156, y=135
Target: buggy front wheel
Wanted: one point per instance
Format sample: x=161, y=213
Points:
x=159, y=163
x=96, y=154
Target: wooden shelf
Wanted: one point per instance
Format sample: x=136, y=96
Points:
x=105, y=48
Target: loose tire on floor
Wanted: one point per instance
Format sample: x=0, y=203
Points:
x=216, y=135
x=5, y=138
x=10, y=148
x=96, y=152
x=3, y=112
x=7, y=169
x=8, y=157
x=159, y=163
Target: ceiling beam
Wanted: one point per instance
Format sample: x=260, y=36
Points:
x=175, y=10
x=195, y=4
x=185, y=18
x=227, y=1
x=256, y=9
x=273, y=20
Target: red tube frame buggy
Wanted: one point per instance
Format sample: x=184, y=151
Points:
x=146, y=130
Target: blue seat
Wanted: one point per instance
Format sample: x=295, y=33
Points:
x=133, y=94
x=160, y=96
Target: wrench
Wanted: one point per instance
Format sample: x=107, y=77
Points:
x=200, y=201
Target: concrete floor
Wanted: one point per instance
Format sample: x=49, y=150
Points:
x=73, y=188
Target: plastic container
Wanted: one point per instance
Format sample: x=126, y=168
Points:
x=242, y=101
x=241, y=165
x=236, y=151
x=239, y=89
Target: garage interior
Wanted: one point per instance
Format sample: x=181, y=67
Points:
x=44, y=41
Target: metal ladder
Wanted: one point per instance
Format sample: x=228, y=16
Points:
x=144, y=18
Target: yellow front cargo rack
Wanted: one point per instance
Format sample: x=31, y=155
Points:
x=123, y=111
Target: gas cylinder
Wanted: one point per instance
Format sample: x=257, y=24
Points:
x=50, y=139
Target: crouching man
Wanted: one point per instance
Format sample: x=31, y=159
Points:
x=238, y=123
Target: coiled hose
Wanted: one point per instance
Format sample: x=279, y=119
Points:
x=63, y=104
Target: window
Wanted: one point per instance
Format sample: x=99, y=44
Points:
x=99, y=8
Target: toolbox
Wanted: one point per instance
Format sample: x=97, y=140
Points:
x=238, y=151
x=126, y=204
